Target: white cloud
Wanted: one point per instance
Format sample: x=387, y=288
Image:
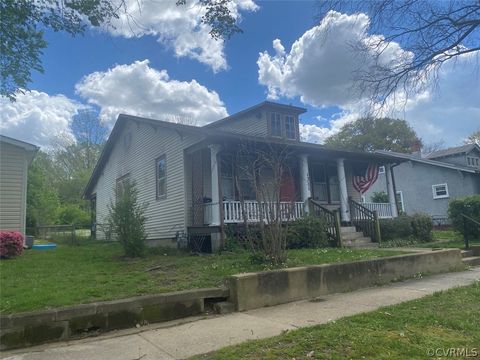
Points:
x=138, y=89
x=320, y=69
x=37, y=117
x=321, y=64
x=178, y=27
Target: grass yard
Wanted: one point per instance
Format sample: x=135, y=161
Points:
x=406, y=331
x=96, y=271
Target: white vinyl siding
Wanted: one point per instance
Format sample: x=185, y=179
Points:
x=13, y=187
x=166, y=217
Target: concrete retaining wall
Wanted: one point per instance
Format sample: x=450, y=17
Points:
x=25, y=329
x=254, y=290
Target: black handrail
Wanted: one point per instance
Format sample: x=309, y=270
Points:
x=365, y=220
x=332, y=219
x=467, y=218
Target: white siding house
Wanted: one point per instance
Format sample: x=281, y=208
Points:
x=15, y=157
x=188, y=177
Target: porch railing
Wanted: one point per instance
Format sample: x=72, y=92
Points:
x=384, y=210
x=255, y=211
x=332, y=219
x=365, y=220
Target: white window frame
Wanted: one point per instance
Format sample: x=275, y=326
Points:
x=277, y=117
x=473, y=161
x=400, y=192
x=381, y=169
x=294, y=133
x=158, y=178
x=434, y=191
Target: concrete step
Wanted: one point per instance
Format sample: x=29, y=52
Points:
x=472, y=261
x=467, y=253
x=352, y=236
x=348, y=229
x=359, y=240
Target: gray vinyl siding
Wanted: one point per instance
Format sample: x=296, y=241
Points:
x=167, y=215
x=252, y=124
x=415, y=181
x=13, y=187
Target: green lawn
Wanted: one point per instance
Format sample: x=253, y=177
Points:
x=407, y=331
x=97, y=271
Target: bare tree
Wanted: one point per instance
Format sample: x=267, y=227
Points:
x=262, y=171
x=431, y=32
x=473, y=138
x=433, y=146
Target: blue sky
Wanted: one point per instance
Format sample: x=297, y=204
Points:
x=237, y=76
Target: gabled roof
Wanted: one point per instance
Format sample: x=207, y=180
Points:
x=29, y=148
x=453, y=151
x=270, y=104
x=430, y=162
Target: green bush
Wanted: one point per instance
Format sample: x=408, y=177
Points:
x=417, y=227
x=127, y=218
x=380, y=197
x=73, y=214
x=469, y=206
x=307, y=232
x=396, y=228
x=422, y=226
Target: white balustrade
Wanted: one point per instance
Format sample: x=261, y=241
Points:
x=256, y=211
x=384, y=210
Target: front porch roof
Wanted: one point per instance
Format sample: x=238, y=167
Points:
x=228, y=139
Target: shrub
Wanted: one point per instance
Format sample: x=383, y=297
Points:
x=397, y=228
x=11, y=244
x=380, y=197
x=127, y=217
x=469, y=206
x=422, y=226
x=417, y=227
x=307, y=232
x=73, y=214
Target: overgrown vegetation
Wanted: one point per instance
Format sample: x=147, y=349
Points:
x=469, y=206
x=307, y=232
x=95, y=271
x=380, y=197
x=127, y=219
x=413, y=228
x=443, y=321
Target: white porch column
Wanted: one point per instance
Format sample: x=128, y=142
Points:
x=390, y=190
x=342, y=181
x=215, y=220
x=305, y=191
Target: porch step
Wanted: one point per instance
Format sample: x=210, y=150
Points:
x=352, y=236
x=467, y=253
x=348, y=229
x=471, y=261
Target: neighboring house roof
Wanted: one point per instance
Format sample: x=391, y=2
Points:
x=270, y=104
x=453, y=151
x=430, y=162
x=221, y=135
x=29, y=148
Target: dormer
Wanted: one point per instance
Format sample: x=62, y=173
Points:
x=267, y=119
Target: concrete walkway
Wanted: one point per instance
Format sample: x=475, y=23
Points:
x=181, y=339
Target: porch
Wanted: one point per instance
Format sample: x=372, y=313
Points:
x=223, y=193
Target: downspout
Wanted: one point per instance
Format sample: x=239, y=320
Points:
x=394, y=186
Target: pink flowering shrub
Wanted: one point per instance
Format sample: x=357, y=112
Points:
x=11, y=244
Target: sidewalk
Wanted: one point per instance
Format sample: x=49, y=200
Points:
x=181, y=339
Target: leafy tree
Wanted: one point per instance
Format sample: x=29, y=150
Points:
x=370, y=134
x=42, y=198
x=23, y=22
x=127, y=217
x=431, y=32
x=473, y=138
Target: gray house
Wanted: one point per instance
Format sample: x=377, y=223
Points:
x=427, y=184
x=189, y=176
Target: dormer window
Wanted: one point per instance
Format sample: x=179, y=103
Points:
x=283, y=126
x=275, y=125
x=290, y=132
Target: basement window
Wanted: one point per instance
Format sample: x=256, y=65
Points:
x=440, y=191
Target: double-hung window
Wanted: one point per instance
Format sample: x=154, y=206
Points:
x=290, y=132
x=275, y=125
x=161, y=176
x=122, y=183
x=440, y=191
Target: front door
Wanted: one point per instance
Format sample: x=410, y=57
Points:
x=325, y=186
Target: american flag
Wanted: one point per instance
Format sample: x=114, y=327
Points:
x=365, y=177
